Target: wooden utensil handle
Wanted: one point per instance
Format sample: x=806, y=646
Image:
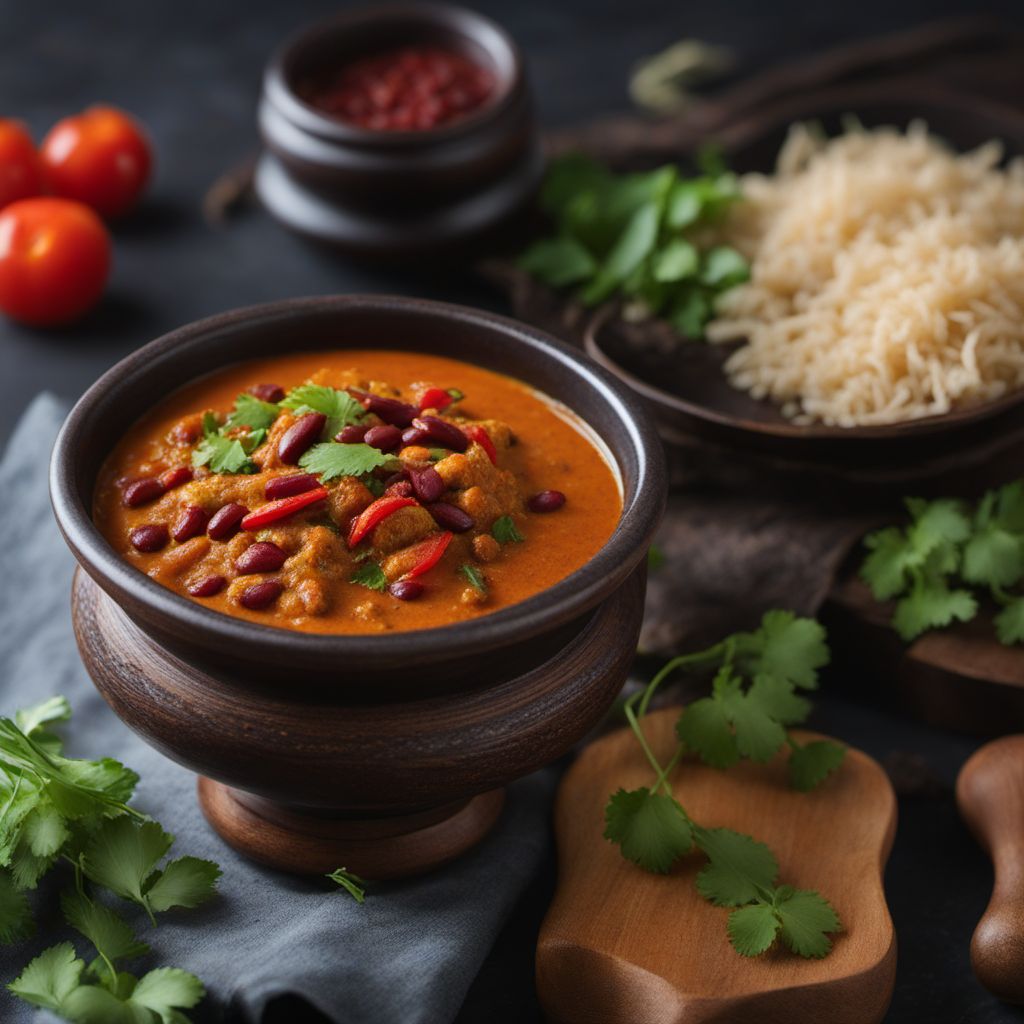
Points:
x=990, y=795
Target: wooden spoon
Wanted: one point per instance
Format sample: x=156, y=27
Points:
x=990, y=795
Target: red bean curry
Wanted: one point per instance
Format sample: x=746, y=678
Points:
x=357, y=492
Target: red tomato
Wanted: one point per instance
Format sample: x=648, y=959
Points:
x=54, y=260
x=21, y=173
x=100, y=157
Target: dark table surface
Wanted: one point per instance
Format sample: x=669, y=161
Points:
x=191, y=71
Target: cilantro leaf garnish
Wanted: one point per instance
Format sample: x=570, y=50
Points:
x=652, y=829
x=15, y=913
x=251, y=412
x=333, y=459
x=350, y=882
x=340, y=408
x=225, y=454
x=1010, y=623
x=474, y=577
x=626, y=234
x=371, y=576
x=50, y=978
x=505, y=531
x=754, y=697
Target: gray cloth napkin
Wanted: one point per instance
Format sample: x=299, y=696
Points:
x=408, y=954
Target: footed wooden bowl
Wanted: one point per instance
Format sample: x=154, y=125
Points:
x=383, y=754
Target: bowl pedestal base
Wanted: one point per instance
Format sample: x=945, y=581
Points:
x=375, y=848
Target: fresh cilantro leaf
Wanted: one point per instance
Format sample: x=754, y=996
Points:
x=806, y=919
x=184, y=882
x=50, y=978
x=1008, y=509
x=252, y=413
x=752, y=929
x=474, y=577
x=634, y=245
x=786, y=646
x=739, y=870
x=15, y=914
x=885, y=568
x=776, y=697
x=558, y=261
x=994, y=557
x=704, y=728
x=332, y=460
x=679, y=259
x=44, y=829
x=724, y=268
x=31, y=720
x=350, y=882
x=937, y=522
x=167, y=990
x=1010, y=623
x=505, y=531
x=690, y=313
x=810, y=764
x=108, y=932
x=222, y=454
x=650, y=828
x=340, y=408
x=371, y=576
x=931, y=604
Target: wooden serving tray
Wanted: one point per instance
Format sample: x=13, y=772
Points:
x=621, y=946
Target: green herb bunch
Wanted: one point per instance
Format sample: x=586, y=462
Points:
x=55, y=809
x=934, y=565
x=755, y=695
x=628, y=234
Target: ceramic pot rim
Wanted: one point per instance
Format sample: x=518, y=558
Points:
x=169, y=614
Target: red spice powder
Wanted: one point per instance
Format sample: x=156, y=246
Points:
x=411, y=89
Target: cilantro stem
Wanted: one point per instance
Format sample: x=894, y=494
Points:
x=697, y=658
x=634, y=724
x=665, y=772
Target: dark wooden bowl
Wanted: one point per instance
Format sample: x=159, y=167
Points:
x=396, y=194
x=684, y=382
x=383, y=753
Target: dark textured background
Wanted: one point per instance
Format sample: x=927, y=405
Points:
x=191, y=71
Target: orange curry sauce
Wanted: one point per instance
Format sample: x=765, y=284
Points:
x=538, y=446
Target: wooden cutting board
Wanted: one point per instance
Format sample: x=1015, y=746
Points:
x=622, y=946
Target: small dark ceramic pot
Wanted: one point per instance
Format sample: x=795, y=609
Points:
x=396, y=193
x=384, y=753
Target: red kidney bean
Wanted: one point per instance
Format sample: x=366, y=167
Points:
x=267, y=392
x=390, y=410
x=301, y=436
x=414, y=436
x=287, y=486
x=449, y=517
x=427, y=483
x=401, y=488
x=444, y=433
x=385, y=438
x=140, y=492
x=226, y=521
x=352, y=434
x=546, y=501
x=151, y=537
x=192, y=522
x=406, y=590
x=207, y=586
x=172, y=478
x=186, y=432
x=260, y=595
x=260, y=557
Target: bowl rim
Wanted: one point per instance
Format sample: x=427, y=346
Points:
x=191, y=623
x=279, y=93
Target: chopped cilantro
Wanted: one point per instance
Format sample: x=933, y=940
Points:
x=225, y=454
x=340, y=408
x=333, y=459
x=505, y=531
x=251, y=412
x=371, y=576
x=474, y=576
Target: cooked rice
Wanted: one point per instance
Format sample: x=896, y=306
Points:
x=887, y=278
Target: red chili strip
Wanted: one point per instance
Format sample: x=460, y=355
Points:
x=282, y=508
x=428, y=553
x=374, y=514
x=477, y=433
x=435, y=398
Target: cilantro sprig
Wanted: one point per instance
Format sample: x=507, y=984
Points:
x=340, y=408
x=755, y=696
x=224, y=453
x=627, y=234
x=54, y=808
x=333, y=459
x=935, y=565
